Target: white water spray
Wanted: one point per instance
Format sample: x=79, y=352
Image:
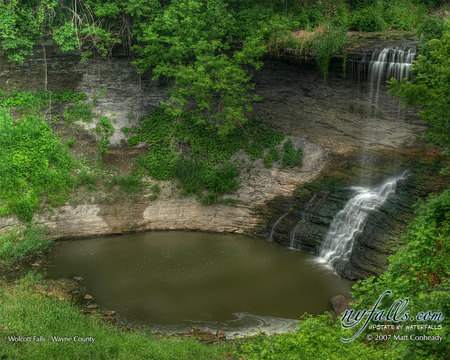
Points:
x=350, y=221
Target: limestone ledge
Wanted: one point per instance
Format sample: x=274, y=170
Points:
x=184, y=213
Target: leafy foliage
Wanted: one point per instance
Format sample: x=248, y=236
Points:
x=418, y=271
x=430, y=87
x=196, y=155
x=292, y=157
x=327, y=44
x=33, y=162
x=35, y=102
x=189, y=42
x=21, y=26
x=380, y=15
x=104, y=130
x=317, y=338
x=196, y=175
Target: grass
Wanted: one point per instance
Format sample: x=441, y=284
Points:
x=26, y=311
x=16, y=244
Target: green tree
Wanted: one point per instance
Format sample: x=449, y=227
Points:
x=430, y=87
x=33, y=162
x=189, y=42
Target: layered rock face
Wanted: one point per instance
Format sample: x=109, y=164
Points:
x=330, y=120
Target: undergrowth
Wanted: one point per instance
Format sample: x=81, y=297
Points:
x=202, y=161
x=34, y=164
x=18, y=243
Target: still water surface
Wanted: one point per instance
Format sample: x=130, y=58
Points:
x=174, y=280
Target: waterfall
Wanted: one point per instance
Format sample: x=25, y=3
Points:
x=302, y=221
x=388, y=63
x=275, y=225
x=349, y=222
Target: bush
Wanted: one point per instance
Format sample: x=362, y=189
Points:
x=272, y=155
x=196, y=155
x=79, y=111
x=159, y=162
x=34, y=102
x=105, y=130
x=292, y=157
x=327, y=44
x=418, y=271
x=317, y=338
x=33, y=163
x=130, y=183
x=367, y=19
x=430, y=28
x=196, y=175
x=402, y=14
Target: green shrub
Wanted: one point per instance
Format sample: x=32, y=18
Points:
x=317, y=338
x=418, y=271
x=368, y=19
x=159, y=162
x=79, y=111
x=205, y=168
x=16, y=244
x=292, y=157
x=430, y=28
x=191, y=173
x=360, y=4
x=327, y=44
x=431, y=87
x=133, y=140
x=155, y=189
x=402, y=14
x=86, y=178
x=33, y=163
x=70, y=142
x=272, y=155
x=130, y=183
x=104, y=130
x=196, y=175
x=34, y=102
x=268, y=160
x=223, y=179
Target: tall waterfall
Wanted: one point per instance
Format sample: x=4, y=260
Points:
x=388, y=63
x=349, y=222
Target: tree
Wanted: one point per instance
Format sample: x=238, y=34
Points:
x=430, y=87
x=190, y=42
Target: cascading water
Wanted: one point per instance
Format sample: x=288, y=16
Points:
x=349, y=222
x=303, y=220
x=275, y=226
x=388, y=63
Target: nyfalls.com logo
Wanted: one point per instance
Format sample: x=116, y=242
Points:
x=396, y=314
